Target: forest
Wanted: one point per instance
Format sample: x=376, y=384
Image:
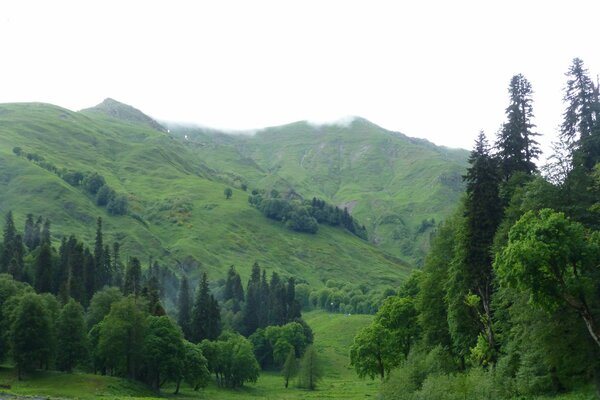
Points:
x=82, y=309
x=506, y=305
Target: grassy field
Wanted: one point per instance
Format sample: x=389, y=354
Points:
x=333, y=335
x=178, y=213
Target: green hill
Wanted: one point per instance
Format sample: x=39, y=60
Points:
x=393, y=184
x=177, y=211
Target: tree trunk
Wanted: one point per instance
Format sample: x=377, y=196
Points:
x=177, y=387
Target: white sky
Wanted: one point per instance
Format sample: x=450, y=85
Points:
x=433, y=69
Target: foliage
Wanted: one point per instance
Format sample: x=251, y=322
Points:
x=29, y=334
x=164, y=351
x=311, y=370
x=72, y=346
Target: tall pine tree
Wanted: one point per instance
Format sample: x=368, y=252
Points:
x=515, y=143
x=184, y=309
x=206, y=316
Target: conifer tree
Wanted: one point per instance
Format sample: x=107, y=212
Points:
x=515, y=143
x=44, y=270
x=37, y=232
x=311, y=370
x=264, y=297
x=45, y=235
x=151, y=293
x=206, y=316
x=28, y=232
x=133, y=277
x=102, y=274
x=90, y=276
x=580, y=127
x=8, y=243
x=184, y=302
x=117, y=268
x=252, y=305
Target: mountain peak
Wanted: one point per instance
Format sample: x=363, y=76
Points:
x=125, y=112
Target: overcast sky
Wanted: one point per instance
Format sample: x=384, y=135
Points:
x=432, y=69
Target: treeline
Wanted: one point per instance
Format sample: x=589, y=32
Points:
x=345, y=298
x=305, y=215
x=507, y=302
x=92, y=182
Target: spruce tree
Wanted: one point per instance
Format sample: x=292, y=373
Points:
x=8, y=243
x=483, y=213
x=133, y=277
x=45, y=235
x=102, y=274
x=28, y=232
x=206, y=316
x=515, y=143
x=44, y=270
x=184, y=303
x=37, y=232
x=251, y=307
x=264, y=296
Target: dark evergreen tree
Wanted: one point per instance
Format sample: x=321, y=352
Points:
x=184, y=309
x=117, y=268
x=515, y=143
x=151, y=292
x=28, y=239
x=77, y=262
x=483, y=213
x=44, y=270
x=228, y=291
x=264, y=297
x=292, y=305
x=45, y=235
x=102, y=275
x=90, y=276
x=581, y=97
x=277, y=301
x=206, y=316
x=8, y=243
x=37, y=232
x=133, y=277
x=250, y=312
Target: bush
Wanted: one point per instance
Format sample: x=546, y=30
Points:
x=117, y=205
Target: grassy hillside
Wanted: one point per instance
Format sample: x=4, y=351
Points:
x=178, y=213
x=392, y=183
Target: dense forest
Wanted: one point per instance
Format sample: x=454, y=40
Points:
x=82, y=309
x=506, y=305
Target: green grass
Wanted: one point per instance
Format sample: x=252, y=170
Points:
x=182, y=215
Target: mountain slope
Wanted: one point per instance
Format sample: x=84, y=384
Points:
x=177, y=212
x=393, y=184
